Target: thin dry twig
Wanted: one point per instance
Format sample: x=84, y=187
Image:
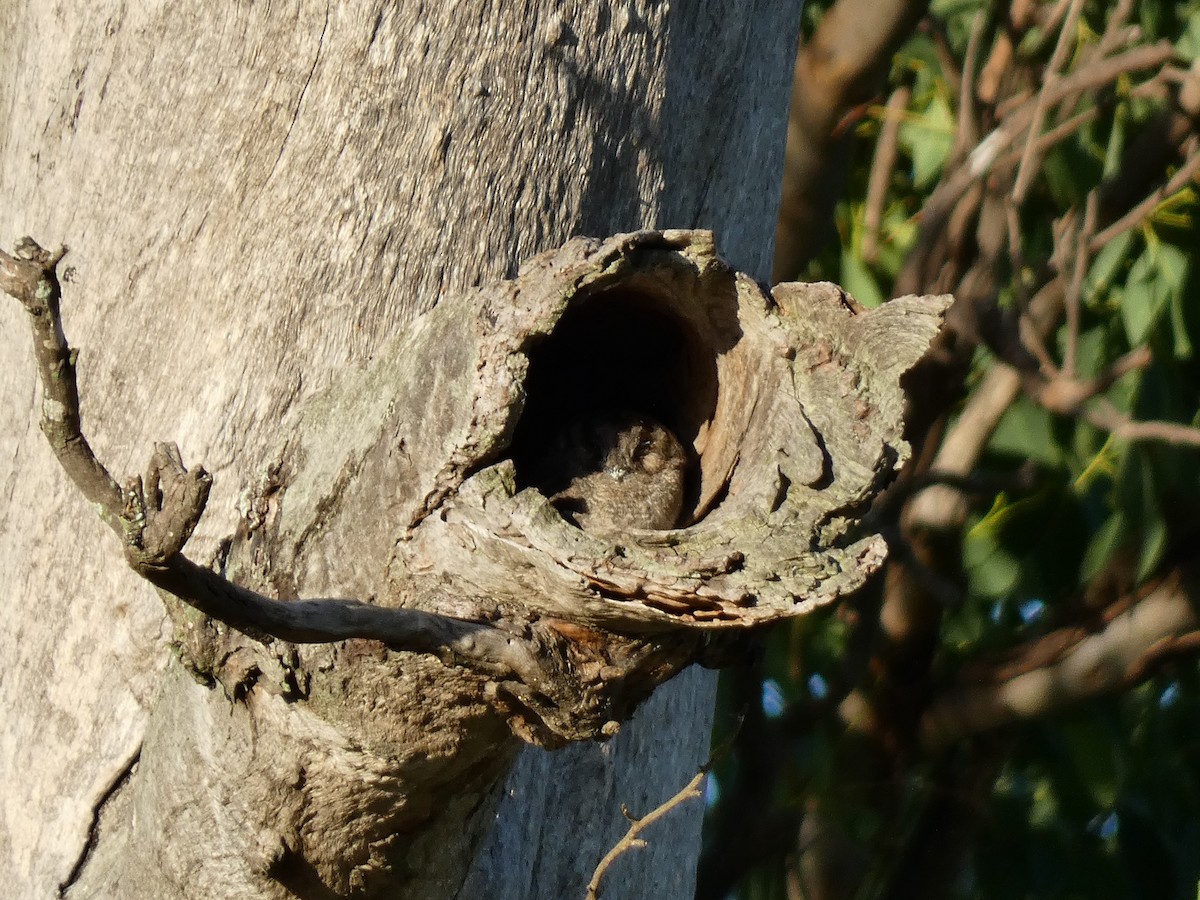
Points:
x=1107, y=417
x=1031, y=337
x=951, y=72
x=882, y=165
x=1115, y=34
x=1020, y=16
x=966, y=134
x=992, y=152
x=1060, y=393
x=631, y=840
x=1050, y=75
x=1177, y=182
x=1049, y=138
x=1132, y=361
x=1094, y=75
x=1068, y=396
x=1057, y=13
x=30, y=277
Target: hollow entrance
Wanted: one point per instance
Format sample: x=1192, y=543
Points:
x=620, y=351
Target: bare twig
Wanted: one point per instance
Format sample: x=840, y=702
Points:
x=1049, y=138
x=1177, y=182
x=1115, y=34
x=882, y=165
x=1133, y=360
x=992, y=151
x=1061, y=394
x=967, y=132
x=1042, y=107
x=631, y=840
x=1056, y=15
x=30, y=276
x=1006, y=106
x=952, y=74
x=1088, y=77
x=1031, y=339
x=1107, y=417
x=154, y=518
x=1020, y=14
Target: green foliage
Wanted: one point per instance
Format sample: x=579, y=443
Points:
x=1101, y=799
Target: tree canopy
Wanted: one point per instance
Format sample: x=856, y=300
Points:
x=1010, y=709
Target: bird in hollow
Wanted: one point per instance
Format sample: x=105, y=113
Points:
x=614, y=471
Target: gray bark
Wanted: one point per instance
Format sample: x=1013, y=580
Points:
x=255, y=198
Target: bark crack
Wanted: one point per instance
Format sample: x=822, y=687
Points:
x=118, y=781
x=300, y=99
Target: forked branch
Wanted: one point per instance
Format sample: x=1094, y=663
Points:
x=155, y=516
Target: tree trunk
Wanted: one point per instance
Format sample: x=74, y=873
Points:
x=255, y=197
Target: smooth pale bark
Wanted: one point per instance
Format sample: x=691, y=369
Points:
x=255, y=197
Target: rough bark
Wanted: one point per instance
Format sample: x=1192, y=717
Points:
x=256, y=197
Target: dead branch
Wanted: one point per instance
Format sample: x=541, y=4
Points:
x=966, y=134
x=1073, y=298
x=632, y=840
x=30, y=277
x=154, y=517
x=1077, y=239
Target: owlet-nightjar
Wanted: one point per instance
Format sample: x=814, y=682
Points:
x=615, y=471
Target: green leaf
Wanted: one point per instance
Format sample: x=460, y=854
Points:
x=1179, y=327
x=1138, y=307
x=993, y=570
x=928, y=137
x=1103, y=546
x=1114, y=152
x=1094, y=757
x=1143, y=297
x=1092, y=350
x=858, y=281
x=1103, y=270
x=1141, y=495
x=1155, y=539
x=1025, y=432
x=1188, y=45
x=1172, y=264
x=1156, y=283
